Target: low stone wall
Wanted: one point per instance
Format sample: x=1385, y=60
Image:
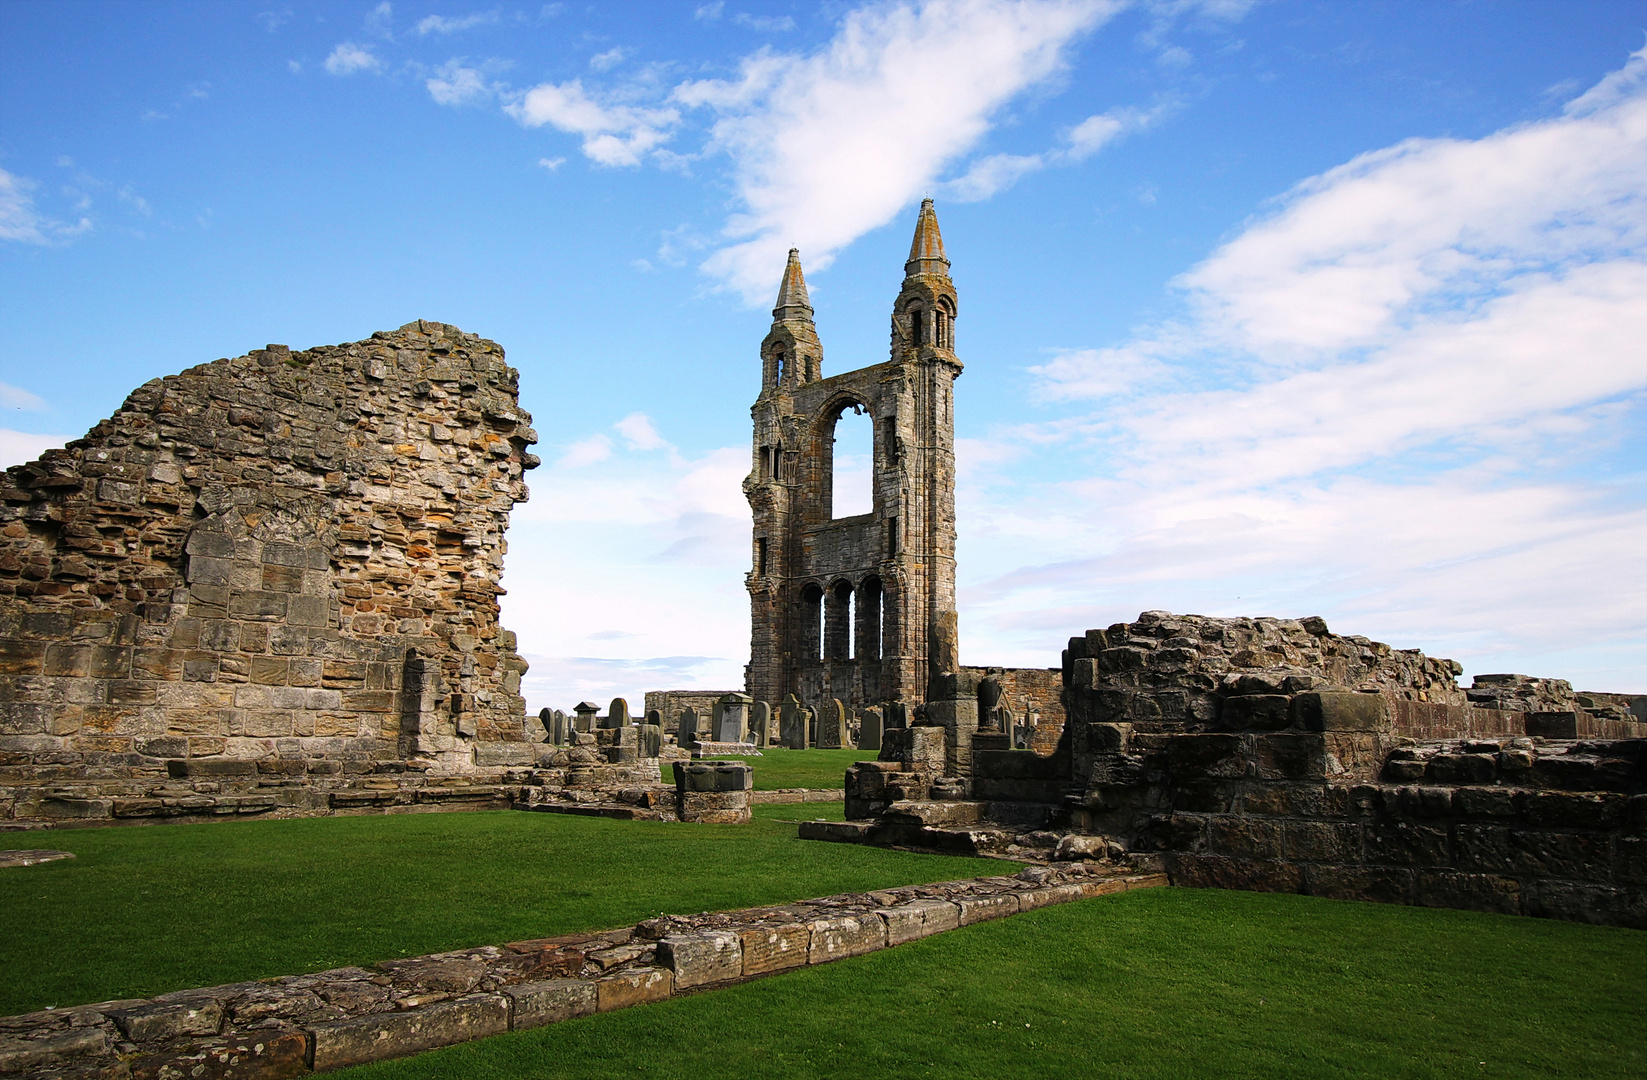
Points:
x=1518, y=826
x=798, y=795
x=296, y=1025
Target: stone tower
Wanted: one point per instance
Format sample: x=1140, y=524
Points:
x=858, y=608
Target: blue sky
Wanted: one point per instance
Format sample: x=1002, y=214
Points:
x=1267, y=308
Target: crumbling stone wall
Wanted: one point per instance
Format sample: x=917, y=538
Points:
x=283, y=565
x=1040, y=689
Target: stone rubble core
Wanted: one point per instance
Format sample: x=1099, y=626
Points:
x=268, y=585
x=295, y=1025
x=1272, y=754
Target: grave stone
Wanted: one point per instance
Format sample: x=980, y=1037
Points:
x=617, y=714
x=760, y=723
x=586, y=710
x=831, y=724
x=686, y=732
x=792, y=723
x=653, y=716
x=869, y=730
x=731, y=718
x=545, y=730
x=651, y=738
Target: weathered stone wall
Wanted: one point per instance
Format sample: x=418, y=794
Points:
x=1039, y=688
x=277, y=567
x=671, y=703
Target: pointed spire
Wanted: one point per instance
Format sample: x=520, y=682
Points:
x=793, y=302
x=926, y=253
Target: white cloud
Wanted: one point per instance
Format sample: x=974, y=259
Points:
x=709, y=12
x=585, y=452
x=440, y=24
x=638, y=432
x=22, y=222
x=551, y=163
x=613, y=134
x=1405, y=397
x=826, y=147
x=17, y=447
x=657, y=601
x=457, y=82
x=607, y=60
x=348, y=59
x=990, y=175
x=15, y=397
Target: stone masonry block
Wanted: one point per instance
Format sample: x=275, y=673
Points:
x=258, y=1055
x=1336, y=711
x=709, y=956
x=534, y=1004
x=976, y=909
x=1255, y=712
x=635, y=986
x=774, y=948
x=1206, y=755
x=1385, y=884
x=918, y=919
x=845, y=935
x=1055, y=894
x=154, y=1021
x=379, y=1036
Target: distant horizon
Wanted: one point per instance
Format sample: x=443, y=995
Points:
x=1267, y=309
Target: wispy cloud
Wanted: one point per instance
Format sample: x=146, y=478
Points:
x=614, y=134
x=350, y=59
x=460, y=82
x=441, y=24
x=22, y=222
x=828, y=146
x=17, y=447
x=607, y=60
x=1382, y=399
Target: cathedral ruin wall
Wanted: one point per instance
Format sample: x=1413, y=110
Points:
x=266, y=581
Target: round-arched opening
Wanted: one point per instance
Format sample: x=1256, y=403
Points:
x=852, y=463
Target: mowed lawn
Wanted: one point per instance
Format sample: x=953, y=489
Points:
x=1159, y=983
x=779, y=768
x=145, y=910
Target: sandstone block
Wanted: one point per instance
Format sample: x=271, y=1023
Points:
x=976, y=909
x=635, y=986
x=379, y=1036
x=266, y=1055
x=845, y=935
x=919, y=919
x=1052, y=894
x=774, y=948
x=1323, y=710
x=549, y=1001
x=709, y=956
x=26, y=1055
x=156, y=1020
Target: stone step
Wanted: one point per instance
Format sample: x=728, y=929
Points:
x=945, y=813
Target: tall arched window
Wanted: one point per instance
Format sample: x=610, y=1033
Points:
x=917, y=325
x=811, y=624
x=867, y=621
x=838, y=622
x=852, y=473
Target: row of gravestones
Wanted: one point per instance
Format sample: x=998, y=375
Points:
x=737, y=719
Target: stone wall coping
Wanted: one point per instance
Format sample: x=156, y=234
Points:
x=299, y=1024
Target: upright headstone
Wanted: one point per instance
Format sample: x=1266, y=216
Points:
x=792, y=723
x=831, y=724
x=686, y=733
x=869, y=729
x=587, y=711
x=617, y=714
x=651, y=739
x=653, y=716
x=546, y=727
x=989, y=700
x=731, y=718
x=760, y=723
x=895, y=715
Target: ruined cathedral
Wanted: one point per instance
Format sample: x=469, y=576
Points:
x=859, y=608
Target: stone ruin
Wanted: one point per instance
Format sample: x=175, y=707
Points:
x=269, y=583
x=1272, y=754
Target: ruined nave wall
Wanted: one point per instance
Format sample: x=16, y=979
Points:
x=282, y=564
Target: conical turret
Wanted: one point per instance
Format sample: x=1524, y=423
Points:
x=791, y=354
x=926, y=253
x=793, y=302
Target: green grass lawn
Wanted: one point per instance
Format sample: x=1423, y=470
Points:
x=145, y=910
x=1161, y=983
x=778, y=768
